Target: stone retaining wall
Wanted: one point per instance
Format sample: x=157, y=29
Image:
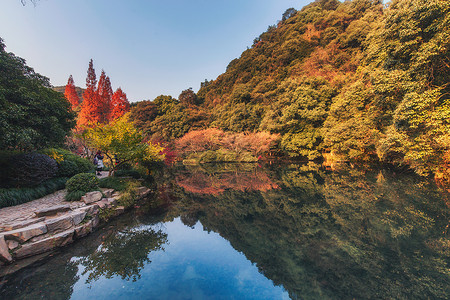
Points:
x=57, y=226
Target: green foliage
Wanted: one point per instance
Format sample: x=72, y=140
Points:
x=125, y=173
x=32, y=115
x=31, y=169
x=15, y=196
x=118, y=184
x=69, y=164
x=85, y=182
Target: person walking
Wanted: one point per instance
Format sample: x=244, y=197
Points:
x=98, y=160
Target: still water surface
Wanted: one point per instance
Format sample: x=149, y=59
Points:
x=252, y=232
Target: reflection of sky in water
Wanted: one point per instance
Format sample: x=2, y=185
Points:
x=195, y=265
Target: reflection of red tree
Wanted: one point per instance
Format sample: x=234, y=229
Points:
x=202, y=183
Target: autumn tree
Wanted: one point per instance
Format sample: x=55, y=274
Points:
x=188, y=97
x=104, y=94
x=90, y=106
x=71, y=94
x=121, y=140
x=119, y=104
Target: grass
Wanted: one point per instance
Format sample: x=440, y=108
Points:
x=16, y=196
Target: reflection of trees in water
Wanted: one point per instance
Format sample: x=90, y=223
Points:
x=341, y=235
x=215, y=182
x=123, y=254
x=120, y=248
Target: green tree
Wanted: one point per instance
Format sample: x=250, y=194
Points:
x=121, y=141
x=32, y=115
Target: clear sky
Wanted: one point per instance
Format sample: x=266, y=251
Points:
x=147, y=47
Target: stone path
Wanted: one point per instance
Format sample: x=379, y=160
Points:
x=26, y=210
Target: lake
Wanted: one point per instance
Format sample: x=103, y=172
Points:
x=278, y=231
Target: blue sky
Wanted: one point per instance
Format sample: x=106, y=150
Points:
x=147, y=47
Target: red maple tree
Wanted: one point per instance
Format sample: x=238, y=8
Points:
x=120, y=104
x=71, y=94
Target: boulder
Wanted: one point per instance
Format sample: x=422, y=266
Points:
x=21, y=224
x=95, y=221
x=108, y=193
x=104, y=203
x=51, y=211
x=119, y=210
x=92, y=197
x=24, y=234
x=142, y=191
x=59, y=224
x=57, y=240
x=12, y=244
x=78, y=217
x=5, y=256
x=83, y=229
x=90, y=209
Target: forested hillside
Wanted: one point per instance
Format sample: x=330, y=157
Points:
x=356, y=80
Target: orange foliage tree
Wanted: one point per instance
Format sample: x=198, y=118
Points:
x=119, y=104
x=100, y=105
x=71, y=94
x=89, y=108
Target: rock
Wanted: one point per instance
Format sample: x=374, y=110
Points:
x=24, y=234
x=21, y=224
x=142, y=191
x=83, y=229
x=92, y=197
x=78, y=217
x=108, y=193
x=104, y=203
x=119, y=210
x=5, y=256
x=57, y=240
x=95, y=221
x=112, y=201
x=58, y=224
x=12, y=244
x=50, y=211
x=90, y=210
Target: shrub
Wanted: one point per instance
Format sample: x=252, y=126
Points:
x=123, y=173
x=69, y=163
x=6, y=167
x=67, y=168
x=14, y=196
x=74, y=196
x=85, y=182
x=115, y=183
x=32, y=169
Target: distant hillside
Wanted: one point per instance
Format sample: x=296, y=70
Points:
x=353, y=80
x=79, y=90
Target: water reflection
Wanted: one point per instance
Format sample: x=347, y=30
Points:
x=299, y=231
x=348, y=234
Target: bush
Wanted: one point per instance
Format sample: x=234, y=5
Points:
x=115, y=183
x=85, y=182
x=67, y=168
x=31, y=169
x=74, y=196
x=69, y=163
x=124, y=173
x=14, y=196
x=6, y=167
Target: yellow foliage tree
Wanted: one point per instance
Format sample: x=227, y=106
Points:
x=122, y=143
